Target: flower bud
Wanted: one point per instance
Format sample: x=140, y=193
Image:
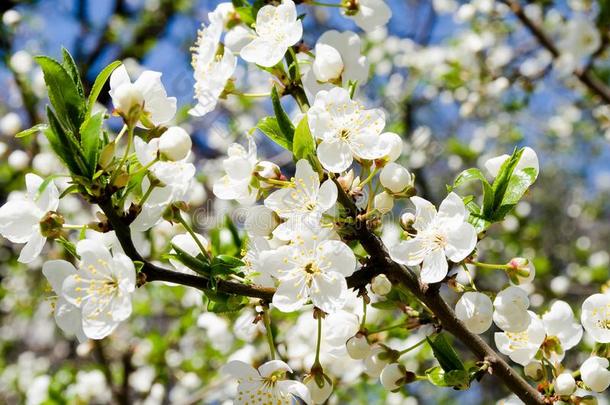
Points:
x=358, y=347
x=520, y=271
x=533, y=370
x=381, y=285
x=406, y=221
x=383, y=202
x=395, y=178
x=376, y=361
x=395, y=375
x=328, y=64
x=268, y=170
x=565, y=384
x=175, y=143
x=594, y=372
x=18, y=160
x=393, y=143
x=475, y=310
x=320, y=387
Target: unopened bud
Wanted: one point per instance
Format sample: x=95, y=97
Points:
x=358, y=347
x=565, y=384
x=381, y=285
x=383, y=202
x=320, y=387
x=395, y=375
x=533, y=370
x=395, y=178
x=347, y=180
x=175, y=143
x=376, y=361
x=407, y=220
x=520, y=271
x=266, y=170
x=328, y=64
x=107, y=155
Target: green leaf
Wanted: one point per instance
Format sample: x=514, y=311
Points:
x=64, y=145
x=500, y=184
x=459, y=379
x=245, y=14
x=31, y=131
x=197, y=264
x=90, y=133
x=65, y=98
x=303, y=145
x=283, y=120
x=70, y=66
x=269, y=126
x=98, y=85
x=469, y=175
x=219, y=302
x=444, y=353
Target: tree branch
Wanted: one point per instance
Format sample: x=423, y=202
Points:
x=430, y=296
x=585, y=75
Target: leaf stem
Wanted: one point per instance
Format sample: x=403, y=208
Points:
x=270, y=341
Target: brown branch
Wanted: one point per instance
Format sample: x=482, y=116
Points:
x=430, y=296
x=585, y=75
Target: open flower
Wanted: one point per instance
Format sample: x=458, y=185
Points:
x=370, y=14
x=255, y=259
x=311, y=267
x=595, y=317
x=346, y=130
x=440, y=236
x=511, y=314
x=20, y=217
x=213, y=65
x=267, y=385
x=147, y=93
x=67, y=316
x=521, y=347
x=101, y=288
x=302, y=204
x=277, y=28
x=594, y=372
x=559, y=322
x=239, y=166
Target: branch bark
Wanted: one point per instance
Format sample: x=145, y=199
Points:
x=585, y=75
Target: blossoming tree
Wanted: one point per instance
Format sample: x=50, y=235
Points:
x=310, y=251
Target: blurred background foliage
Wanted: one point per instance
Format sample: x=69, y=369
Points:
x=458, y=85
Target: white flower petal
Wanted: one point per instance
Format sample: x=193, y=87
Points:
x=461, y=241
x=338, y=256
x=409, y=252
x=335, y=156
x=434, y=267
x=32, y=248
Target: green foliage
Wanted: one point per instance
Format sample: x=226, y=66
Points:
x=283, y=120
x=74, y=135
x=500, y=197
x=270, y=127
x=304, y=146
x=444, y=353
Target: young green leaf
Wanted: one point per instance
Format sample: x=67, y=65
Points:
x=90, y=133
x=70, y=66
x=64, y=145
x=283, y=120
x=270, y=127
x=31, y=131
x=444, y=353
x=63, y=94
x=303, y=145
x=98, y=85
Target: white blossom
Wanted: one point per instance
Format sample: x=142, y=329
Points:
x=311, y=267
x=101, y=288
x=346, y=130
x=265, y=385
x=147, y=92
x=440, y=236
x=20, y=216
x=240, y=167
x=594, y=372
x=564, y=384
x=511, y=314
x=302, y=204
x=559, y=322
x=521, y=347
x=595, y=317
x=371, y=14
x=277, y=28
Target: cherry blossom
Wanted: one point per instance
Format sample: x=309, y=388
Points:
x=302, y=204
x=265, y=385
x=277, y=28
x=21, y=216
x=101, y=288
x=559, y=322
x=595, y=317
x=521, y=347
x=440, y=236
x=311, y=267
x=594, y=373
x=346, y=130
x=370, y=14
x=147, y=92
x=475, y=310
